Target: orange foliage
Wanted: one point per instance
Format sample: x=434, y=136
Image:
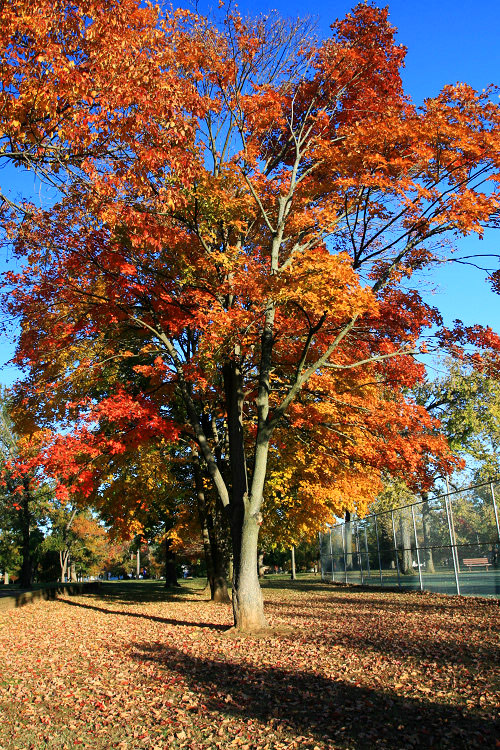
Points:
x=234, y=258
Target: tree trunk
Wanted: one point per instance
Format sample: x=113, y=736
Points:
x=293, y=574
x=65, y=552
x=208, y=555
x=63, y=560
x=26, y=575
x=138, y=563
x=6, y=578
x=73, y=575
x=407, y=560
x=217, y=577
x=248, y=604
x=426, y=528
x=170, y=568
x=218, y=589
x=212, y=533
x=260, y=563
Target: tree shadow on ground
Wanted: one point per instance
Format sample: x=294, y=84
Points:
x=301, y=703
x=154, y=618
x=148, y=591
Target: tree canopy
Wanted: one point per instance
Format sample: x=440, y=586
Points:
x=234, y=259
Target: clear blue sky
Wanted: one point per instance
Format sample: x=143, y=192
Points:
x=447, y=41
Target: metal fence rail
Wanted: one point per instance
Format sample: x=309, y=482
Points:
x=449, y=544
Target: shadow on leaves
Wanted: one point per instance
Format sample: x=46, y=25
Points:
x=147, y=591
x=153, y=618
x=304, y=703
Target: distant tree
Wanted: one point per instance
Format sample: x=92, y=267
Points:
x=467, y=402
x=24, y=495
x=77, y=538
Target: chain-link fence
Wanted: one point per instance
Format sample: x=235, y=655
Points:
x=449, y=543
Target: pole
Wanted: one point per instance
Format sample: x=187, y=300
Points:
x=320, y=555
x=378, y=552
x=358, y=551
x=343, y=549
x=495, y=510
x=367, y=553
x=454, y=536
x=395, y=547
x=446, y=503
x=331, y=556
x=417, y=549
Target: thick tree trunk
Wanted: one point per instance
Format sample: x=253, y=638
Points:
x=73, y=575
x=407, y=559
x=218, y=590
x=248, y=604
x=6, y=578
x=217, y=572
x=212, y=533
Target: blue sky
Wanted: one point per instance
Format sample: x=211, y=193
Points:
x=447, y=42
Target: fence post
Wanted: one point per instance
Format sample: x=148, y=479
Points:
x=417, y=549
x=343, y=549
x=331, y=556
x=452, y=546
x=495, y=510
x=320, y=555
x=450, y=505
x=358, y=552
x=378, y=552
x=395, y=547
x=367, y=554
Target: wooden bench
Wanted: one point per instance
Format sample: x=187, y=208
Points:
x=473, y=562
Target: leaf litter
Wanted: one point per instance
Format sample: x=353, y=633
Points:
x=340, y=669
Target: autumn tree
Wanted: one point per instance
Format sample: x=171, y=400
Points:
x=24, y=495
x=467, y=402
x=254, y=221
x=77, y=538
x=10, y=554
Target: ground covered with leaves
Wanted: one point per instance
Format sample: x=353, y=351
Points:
x=136, y=667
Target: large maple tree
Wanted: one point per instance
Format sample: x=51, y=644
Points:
x=234, y=259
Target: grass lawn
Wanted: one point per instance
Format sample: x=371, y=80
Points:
x=139, y=667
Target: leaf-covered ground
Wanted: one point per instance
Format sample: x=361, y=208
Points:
x=344, y=668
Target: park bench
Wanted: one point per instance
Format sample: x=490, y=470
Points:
x=473, y=562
